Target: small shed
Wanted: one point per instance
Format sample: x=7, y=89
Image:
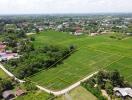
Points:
x=8, y=95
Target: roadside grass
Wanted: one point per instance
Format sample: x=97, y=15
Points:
x=78, y=93
x=3, y=74
x=94, y=53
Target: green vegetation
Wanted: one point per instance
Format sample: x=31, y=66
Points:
x=105, y=80
x=29, y=86
x=2, y=74
x=78, y=93
x=5, y=84
x=95, y=91
x=52, y=37
x=32, y=92
x=37, y=59
x=118, y=36
x=47, y=49
x=110, y=79
x=93, y=53
x=37, y=95
x=46, y=60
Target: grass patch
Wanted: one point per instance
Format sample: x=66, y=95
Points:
x=3, y=74
x=78, y=93
x=39, y=95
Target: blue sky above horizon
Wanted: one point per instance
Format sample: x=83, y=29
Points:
x=64, y=6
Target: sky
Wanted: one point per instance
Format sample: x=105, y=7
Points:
x=64, y=6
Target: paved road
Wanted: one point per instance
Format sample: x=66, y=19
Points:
x=10, y=74
x=57, y=93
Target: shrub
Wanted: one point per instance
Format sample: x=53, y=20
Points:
x=95, y=91
x=30, y=86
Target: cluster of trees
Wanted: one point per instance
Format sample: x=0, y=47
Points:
x=18, y=44
x=16, y=40
x=105, y=80
x=109, y=80
x=31, y=89
x=1, y=27
x=92, y=27
x=25, y=46
x=69, y=29
x=129, y=30
x=28, y=86
x=118, y=36
x=11, y=25
x=5, y=84
x=13, y=30
x=39, y=59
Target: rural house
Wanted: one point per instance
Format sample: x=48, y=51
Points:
x=123, y=92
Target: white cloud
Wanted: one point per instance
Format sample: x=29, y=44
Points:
x=64, y=6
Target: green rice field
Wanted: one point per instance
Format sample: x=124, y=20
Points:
x=93, y=54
